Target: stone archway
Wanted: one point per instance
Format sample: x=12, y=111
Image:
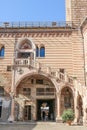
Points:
x=30, y=92
x=66, y=99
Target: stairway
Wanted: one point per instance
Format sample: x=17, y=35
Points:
x=25, y=66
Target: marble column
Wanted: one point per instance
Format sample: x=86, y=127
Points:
x=85, y=116
x=76, y=107
x=58, y=108
x=11, y=117
x=85, y=110
x=76, y=110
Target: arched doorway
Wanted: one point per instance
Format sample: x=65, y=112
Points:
x=46, y=109
x=32, y=92
x=66, y=101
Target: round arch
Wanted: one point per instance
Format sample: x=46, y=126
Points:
x=30, y=93
x=45, y=76
x=71, y=88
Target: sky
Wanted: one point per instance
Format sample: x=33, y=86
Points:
x=32, y=10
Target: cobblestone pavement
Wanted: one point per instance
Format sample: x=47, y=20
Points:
x=40, y=126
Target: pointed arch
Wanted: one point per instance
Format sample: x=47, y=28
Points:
x=25, y=49
x=26, y=42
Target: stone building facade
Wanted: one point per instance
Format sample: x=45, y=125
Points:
x=43, y=67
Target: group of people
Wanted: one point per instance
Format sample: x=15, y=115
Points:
x=44, y=112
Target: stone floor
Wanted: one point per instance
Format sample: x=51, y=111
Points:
x=39, y=126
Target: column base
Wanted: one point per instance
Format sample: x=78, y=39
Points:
x=59, y=120
x=84, y=121
x=75, y=121
x=11, y=119
x=78, y=121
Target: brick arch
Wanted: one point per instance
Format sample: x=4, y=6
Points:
x=44, y=75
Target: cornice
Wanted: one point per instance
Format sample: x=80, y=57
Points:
x=47, y=32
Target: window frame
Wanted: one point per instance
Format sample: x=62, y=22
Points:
x=2, y=52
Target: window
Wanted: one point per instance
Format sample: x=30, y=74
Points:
x=32, y=81
x=1, y=91
x=27, y=91
x=67, y=99
x=9, y=68
x=0, y=108
x=42, y=51
x=62, y=70
x=45, y=91
x=39, y=81
x=40, y=91
x=50, y=91
x=37, y=52
x=23, y=55
x=2, y=52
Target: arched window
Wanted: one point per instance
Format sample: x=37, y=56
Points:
x=42, y=51
x=37, y=52
x=2, y=51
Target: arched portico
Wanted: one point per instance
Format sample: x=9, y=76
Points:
x=32, y=91
x=65, y=100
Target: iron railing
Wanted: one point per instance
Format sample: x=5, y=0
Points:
x=34, y=24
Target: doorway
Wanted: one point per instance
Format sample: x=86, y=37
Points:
x=46, y=110
x=27, y=112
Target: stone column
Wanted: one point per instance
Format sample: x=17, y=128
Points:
x=58, y=118
x=11, y=117
x=85, y=116
x=76, y=107
x=76, y=110
x=21, y=112
x=34, y=51
x=85, y=110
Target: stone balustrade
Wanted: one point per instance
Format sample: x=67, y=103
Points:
x=23, y=63
x=19, y=61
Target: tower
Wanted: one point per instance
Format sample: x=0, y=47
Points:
x=76, y=10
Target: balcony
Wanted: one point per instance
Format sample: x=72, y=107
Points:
x=22, y=62
x=45, y=91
